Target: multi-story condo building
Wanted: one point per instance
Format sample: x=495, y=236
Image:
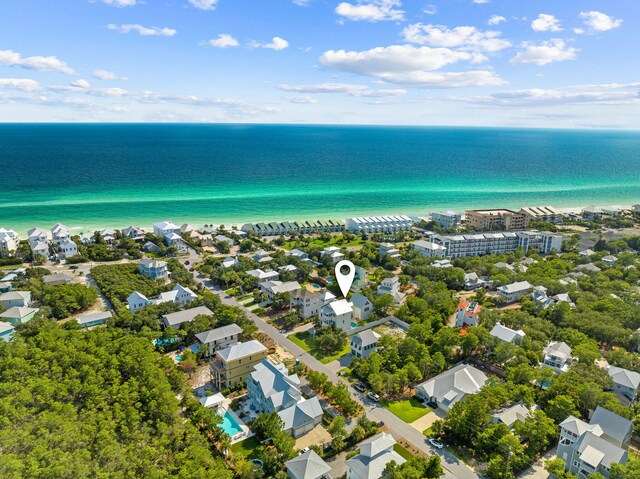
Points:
x=232, y=365
x=288, y=227
x=447, y=220
x=497, y=220
x=455, y=246
x=379, y=224
x=8, y=242
x=593, y=447
x=547, y=214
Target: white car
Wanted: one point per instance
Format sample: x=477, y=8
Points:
x=436, y=444
x=373, y=396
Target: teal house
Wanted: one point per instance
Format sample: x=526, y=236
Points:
x=6, y=331
x=18, y=315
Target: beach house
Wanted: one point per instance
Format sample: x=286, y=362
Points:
x=391, y=286
x=592, y=447
x=507, y=335
x=67, y=248
x=309, y=303
x=467, y=313
x=56, y=279
x=8, y=242
x=232, y=365
x=154, y=269
x=332, y=252
x=625, y=383
x=451, y=386
x=364, y=343
x=514, y=291
x=362, y=307
x=337, y=313
x=16, y=315
x=375, y=453
x=176, y=319
x=133, y=232
x=37, y=235
x=60, y=234
x=18, y=299
x=137, y=301
x=388, y=249
x=94, y=319
x=6, y=330
x=557, y=355
x=271, y=288
x=219, y=338
x=307, y=465
x=379, y=224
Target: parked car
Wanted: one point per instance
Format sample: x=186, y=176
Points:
x=435, y=443
x=186, y=262
x=302, y=451
x=192, y=269
x=380, y=423
x=360, y=387
x=373, y=396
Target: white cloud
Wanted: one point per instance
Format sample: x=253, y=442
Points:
x=120, y=3
x=599, y=22
x=144, y=31
x=204, y=4
x=480, y=2
x=106, y=75
x=44, y=64
x=348, y=88
x=224, y=40
x=276, y=43
x=301, y=3
x=496, y=20
x=301, y=99
x=578, y=31
x=371, y=10
x=537, y=97
x=81, y=83
x=24, y=84
x=550, y=51
x=410, y=66
x=546, y=23
x=430, y=9
x=466, y=38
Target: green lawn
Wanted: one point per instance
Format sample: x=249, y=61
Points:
x=245, y=448
x=402, y=451
x=305, y=341
x=428, y=432
x=408, y=410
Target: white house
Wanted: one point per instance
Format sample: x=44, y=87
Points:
x=37, y=235
x=60, y=233
x=510, y=415
x=224, y=239
x=133, y=232
x=67, y=249
x=453, y=385
x=40, y=248
x=429, y=249
x=164, y=228
x=388, y=249
x=467, y=313
x=391, y=286
x=337, y=313
x=514, y=291
x=179, y=294
x=220, y=338
x=309, y=303
x=362, y=307
x=271, y=288
x=8, y=242
x=364, y=343
x=334, y=253
x=625, y=382
x=557, y=355
x=307, y=466
x=375, y=453
x=137, y=301
x=230, y=262
x=506, y=334
x=263, y=276
x=16, y=299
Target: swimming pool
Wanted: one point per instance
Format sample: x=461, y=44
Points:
x=229, y=424
x=354, y=325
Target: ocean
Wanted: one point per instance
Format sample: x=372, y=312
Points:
x=89, y=176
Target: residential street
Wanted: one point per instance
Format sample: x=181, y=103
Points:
x=397, y=427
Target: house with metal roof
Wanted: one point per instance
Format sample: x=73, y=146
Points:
x=307, y=466
x=364, y=343
x=557, y=355
x=219, y=338
x=375, y=453
x=6, y=330
x=179, y=317
x=337, y=313
x=17, y=315
x=302, y=417
x=362, y=307
x=514, y=291
x=506, y=334
x=94, y=319
x=271, y=388
x=15, y=299
x=154, y=268
x=593, y=447
x=232, y=365
x=625, y=382
x=451, y=386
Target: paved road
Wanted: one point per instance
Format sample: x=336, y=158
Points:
x=398, y=428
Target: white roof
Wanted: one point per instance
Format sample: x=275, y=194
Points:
x=135, y=296
x=366, y=337
x=506, y=334
x=340, y=307
x=89, y=318
x=186, y=315
x=17, y=313
x=166, y=225
x=515, y=287
x=307, y=466
x=453, y=385
x=218, y=333
x=13, y=295
x=4, y=327
x=241, y=350
x=212, y=401
x=624, y=377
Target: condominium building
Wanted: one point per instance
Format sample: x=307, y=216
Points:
x=287, y=227
x=547, y=214
x=455, y=246
x=447, y=220
x=379, y=224
x=497, y=220
x=232, y=365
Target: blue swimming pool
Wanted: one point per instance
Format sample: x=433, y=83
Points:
x=230, y=425
x=354, y=325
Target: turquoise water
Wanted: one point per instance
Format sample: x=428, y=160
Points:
x=229, y=424
x=96, y=175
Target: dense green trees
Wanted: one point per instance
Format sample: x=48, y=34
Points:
x=94, y=404
x=67, y=299
x=415, y=468
x=118, y=281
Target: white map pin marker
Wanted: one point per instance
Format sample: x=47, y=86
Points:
x=345, y=280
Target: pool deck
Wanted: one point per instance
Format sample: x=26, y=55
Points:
x=246, y=432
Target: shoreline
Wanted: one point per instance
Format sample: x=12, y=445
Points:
x=146, y=224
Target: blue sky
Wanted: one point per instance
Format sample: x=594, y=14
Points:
x=542, y=63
